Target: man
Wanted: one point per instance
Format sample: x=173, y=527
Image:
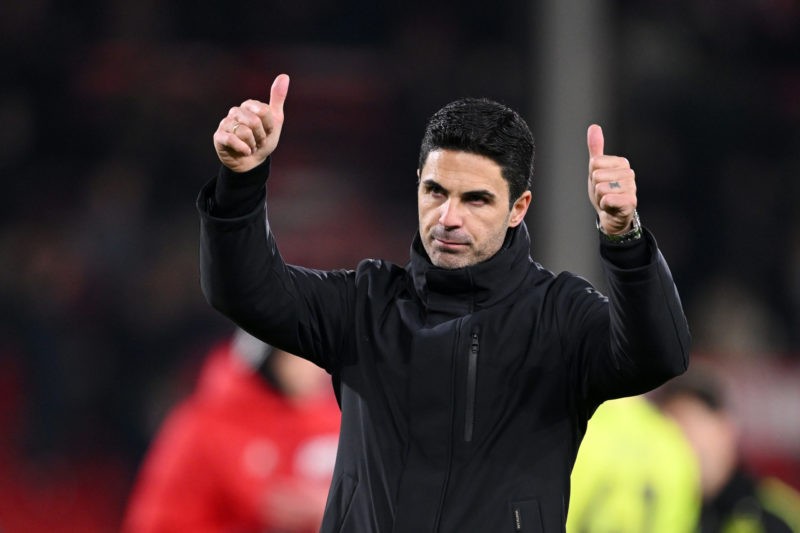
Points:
x=734, y=499
x=465, y=379
x=250, y=450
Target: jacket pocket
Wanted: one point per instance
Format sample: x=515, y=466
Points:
x=526, y=516
x=340, y=501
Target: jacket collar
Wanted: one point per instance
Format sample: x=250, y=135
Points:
x=464, y=290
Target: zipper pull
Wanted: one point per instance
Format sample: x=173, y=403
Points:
x=517, y=519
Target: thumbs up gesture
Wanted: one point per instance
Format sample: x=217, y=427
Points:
x=250, y=132
x=612, y=185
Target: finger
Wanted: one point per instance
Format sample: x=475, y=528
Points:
x=618, y=204
x=230, y=143
x=246, y=126
x=277, y=94
x=246, y=122
x=622, y=175
x=610, y=162
x=614, y=187
x=595, y=141
x=246, y=134
x=261, y=122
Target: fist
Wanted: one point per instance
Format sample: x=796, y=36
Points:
x=250, y=132
x=612, y=185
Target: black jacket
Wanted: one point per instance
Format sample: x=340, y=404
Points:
x=464, y=393
x=740, y=506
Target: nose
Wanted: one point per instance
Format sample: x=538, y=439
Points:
x=450, y=214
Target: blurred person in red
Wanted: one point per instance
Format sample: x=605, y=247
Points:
x=252, y=449
x=735, y=499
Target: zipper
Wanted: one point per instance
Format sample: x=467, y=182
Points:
x=472, y=385
x=451, y=433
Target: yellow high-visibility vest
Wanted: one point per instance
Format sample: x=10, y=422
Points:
x=635, y=473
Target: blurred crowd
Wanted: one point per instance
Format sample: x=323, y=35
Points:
x=107, y=111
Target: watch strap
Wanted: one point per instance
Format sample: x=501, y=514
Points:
x=635, y=233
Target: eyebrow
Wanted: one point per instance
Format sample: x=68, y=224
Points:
x=478, y=194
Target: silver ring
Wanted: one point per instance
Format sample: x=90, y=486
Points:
x=235, y=125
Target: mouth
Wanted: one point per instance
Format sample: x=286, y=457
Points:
x=452, y=245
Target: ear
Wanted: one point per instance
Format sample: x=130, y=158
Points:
x=519, y=209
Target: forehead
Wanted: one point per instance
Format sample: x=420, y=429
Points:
x=459, y=171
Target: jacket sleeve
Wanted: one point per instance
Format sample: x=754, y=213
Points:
x=631, y=341
x=299, y=310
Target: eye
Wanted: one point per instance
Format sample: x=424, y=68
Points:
x=435, y=190
x=477, y=199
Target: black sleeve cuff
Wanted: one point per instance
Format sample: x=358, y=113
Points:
x=237, y=194
x=627, y=255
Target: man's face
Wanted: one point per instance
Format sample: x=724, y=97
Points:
x=713, y=436
x=463, y=206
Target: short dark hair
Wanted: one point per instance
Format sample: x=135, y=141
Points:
x=488, y=128
x=699, y=383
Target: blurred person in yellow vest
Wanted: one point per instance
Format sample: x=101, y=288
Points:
x=635, y=473
x=735, y=500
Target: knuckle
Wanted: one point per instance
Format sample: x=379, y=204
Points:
x=252, y=105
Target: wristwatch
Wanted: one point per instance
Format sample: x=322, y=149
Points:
x=635, y=233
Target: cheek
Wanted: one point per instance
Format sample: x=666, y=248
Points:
x=486, y=239
x=424, y=215
x=428, y=213
x=422, y=210
x=493, y=226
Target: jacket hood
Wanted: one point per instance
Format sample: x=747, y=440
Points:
x=463, y=290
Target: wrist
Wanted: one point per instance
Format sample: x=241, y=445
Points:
x=634, y=233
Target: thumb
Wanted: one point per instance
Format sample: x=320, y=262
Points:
x=594, y=138
x=278, y=92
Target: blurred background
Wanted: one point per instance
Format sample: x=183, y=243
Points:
x=106, y=116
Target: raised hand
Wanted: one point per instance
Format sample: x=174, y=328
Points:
x=612, y=185
x=250, y=132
